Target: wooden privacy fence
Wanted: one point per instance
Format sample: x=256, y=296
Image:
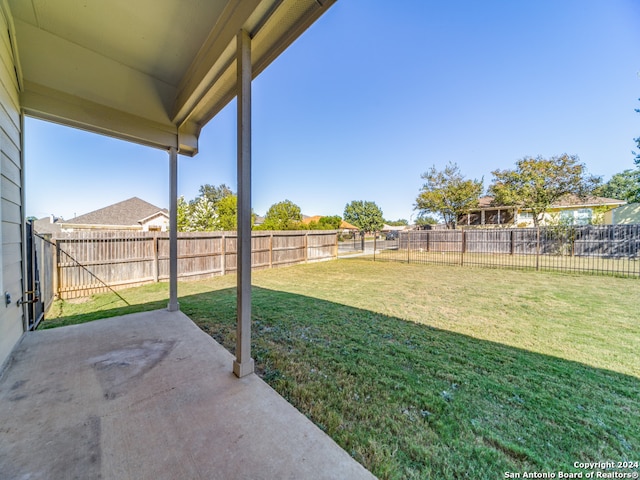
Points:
x=606, y=249
x=91, y=262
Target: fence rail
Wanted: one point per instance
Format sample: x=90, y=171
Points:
x=597, y=249
x=85, y=263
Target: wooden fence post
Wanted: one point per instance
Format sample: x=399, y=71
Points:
x=56, y=268
x=271, y=250
x=156, y=261
x=463, y=247
x=223, y=254
x=306, y=247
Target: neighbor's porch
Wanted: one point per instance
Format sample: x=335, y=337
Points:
x=150, y=396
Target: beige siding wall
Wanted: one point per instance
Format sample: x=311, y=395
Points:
x=11, y=319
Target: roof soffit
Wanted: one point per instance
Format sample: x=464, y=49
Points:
x=114, y=66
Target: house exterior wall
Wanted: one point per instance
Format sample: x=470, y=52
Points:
x=578, y=215
x=11, y=195
x=158, y=223
x=624, y=215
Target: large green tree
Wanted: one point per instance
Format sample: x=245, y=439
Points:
x=284, y=215
x=227, y=210
x=204, y=217
x=448, y=194
x=365, y=215
x=623, y=186
x=183, y=214
x=537, y=183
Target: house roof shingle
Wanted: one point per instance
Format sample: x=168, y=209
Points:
x=127, y=212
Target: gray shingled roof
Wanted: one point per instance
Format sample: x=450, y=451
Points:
x=128, y=212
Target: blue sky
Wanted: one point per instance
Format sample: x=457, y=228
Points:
x=375, y=93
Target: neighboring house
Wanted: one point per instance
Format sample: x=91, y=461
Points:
x=258, y=220
x=624, y=215
x=573, y=210
x=394, y=228
x=131, y=214
x=347, y=227
x=569, y=210
x=488, y=213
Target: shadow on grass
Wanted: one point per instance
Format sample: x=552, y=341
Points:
x=411, y=401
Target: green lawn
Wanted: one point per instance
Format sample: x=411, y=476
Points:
x=424, y=371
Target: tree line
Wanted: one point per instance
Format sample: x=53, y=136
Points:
x=216, y=208
x=534, y=184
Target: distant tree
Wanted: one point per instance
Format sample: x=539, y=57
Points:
x=204, y=217
x=184, y=215
x=331, y=222
x=397, y=223
x=622, y=186
x=426, y=220
x=227, y=209
x=215, y=194
x=537, y=183
x=284, y=215
x=365, y=215
x=326, y=223
x=447, y=194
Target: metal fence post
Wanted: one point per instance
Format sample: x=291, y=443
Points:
x=537, y=248
x=375, y=237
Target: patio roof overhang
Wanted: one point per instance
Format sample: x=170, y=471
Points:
x=151, y=71
x=155, y=72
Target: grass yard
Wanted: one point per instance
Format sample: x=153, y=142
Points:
x=440, y=372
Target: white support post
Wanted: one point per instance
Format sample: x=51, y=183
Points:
x=243, y=364
x=173, y=230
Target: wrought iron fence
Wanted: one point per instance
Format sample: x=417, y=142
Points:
x=596, y=249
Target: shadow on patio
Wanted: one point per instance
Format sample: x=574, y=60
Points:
x=150, y=396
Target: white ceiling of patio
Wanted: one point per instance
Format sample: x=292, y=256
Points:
x=149, y=71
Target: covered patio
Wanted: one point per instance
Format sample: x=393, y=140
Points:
x=144, y=396
x=150, y=396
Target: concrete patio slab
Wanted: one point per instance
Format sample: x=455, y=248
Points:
x=150, y=396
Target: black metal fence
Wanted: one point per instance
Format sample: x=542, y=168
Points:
x=596, y=249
